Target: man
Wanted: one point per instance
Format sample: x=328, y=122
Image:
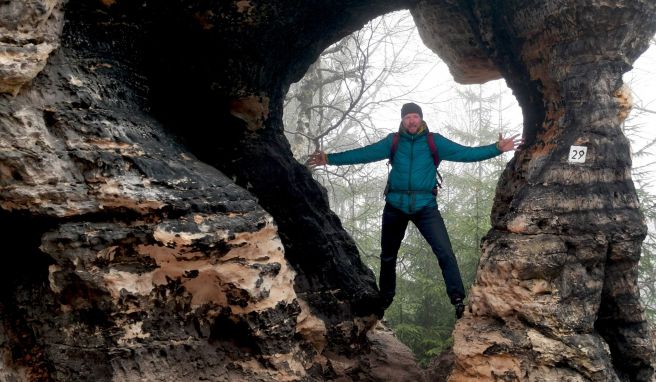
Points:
x=412, y=186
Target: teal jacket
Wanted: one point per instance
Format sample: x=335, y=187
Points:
x=412, y=177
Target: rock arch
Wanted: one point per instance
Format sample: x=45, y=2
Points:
x=148, y=263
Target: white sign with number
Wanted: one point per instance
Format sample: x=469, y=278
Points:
x=577, y=154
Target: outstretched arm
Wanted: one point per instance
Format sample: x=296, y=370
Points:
x=370, y=153
x=451, y=151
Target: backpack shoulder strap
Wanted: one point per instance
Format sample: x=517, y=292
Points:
x=395, y=144
x=433, y=149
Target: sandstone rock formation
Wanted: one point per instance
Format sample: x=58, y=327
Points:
x=161, y=229
x=556, y=297
x=133, y=260
x=30, y=32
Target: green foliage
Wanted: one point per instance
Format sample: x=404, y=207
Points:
x=421, y=315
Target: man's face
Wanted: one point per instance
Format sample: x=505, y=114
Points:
x=411, y=122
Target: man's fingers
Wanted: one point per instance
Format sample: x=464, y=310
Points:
x=511, y=141
x=315, y=159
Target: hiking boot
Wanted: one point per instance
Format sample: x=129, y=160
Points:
x=460, y=308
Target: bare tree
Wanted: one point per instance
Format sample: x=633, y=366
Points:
x=638, y=128
x=332, y=106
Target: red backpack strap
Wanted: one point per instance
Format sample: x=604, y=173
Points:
x=433, y=149
x=395, y=144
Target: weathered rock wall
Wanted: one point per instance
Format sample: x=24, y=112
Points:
x=30, y=32
x=130, y=258
x=163, y=231
x=556, y=294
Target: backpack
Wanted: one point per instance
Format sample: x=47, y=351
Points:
x=436, y=160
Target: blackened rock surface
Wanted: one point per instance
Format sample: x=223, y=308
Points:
x=134, y=260
x=556, y=294
x=138, y=260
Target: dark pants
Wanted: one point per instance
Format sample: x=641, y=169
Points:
x=431, y=226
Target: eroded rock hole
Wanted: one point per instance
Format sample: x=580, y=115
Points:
x=351, y=97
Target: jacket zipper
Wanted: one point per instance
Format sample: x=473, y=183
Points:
x=410, y=194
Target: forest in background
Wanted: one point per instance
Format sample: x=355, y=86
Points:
x=351, y=96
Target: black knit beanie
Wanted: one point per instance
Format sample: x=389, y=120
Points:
x=411, y=108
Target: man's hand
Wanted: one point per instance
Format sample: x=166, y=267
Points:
x=508, y=144
x=317, y=158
